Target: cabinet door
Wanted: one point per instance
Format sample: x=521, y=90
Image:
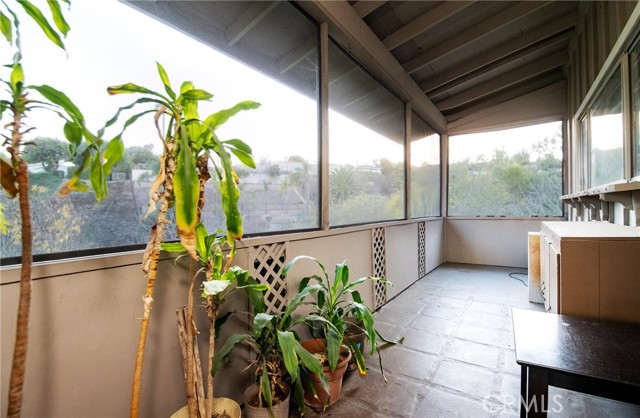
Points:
x=554, y=280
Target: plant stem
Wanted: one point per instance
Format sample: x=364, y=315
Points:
x=18, y=365
x=153, y=249
x=212, y=310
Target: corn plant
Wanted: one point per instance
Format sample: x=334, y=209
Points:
x=17, y=102
x=280, y=358
x=334, y=301
x=220, y=281
x=189, y=144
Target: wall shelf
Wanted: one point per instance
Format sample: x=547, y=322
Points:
x=598, y=198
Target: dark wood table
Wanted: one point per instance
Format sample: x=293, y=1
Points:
x=595, y=357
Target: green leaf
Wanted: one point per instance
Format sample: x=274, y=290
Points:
x=246, y=159
x=172, y=247
x=255, y=294
x=298, y=299
x=187, y=191
x=73, y=133
x=58, y=17
x=42, y=21
x=287, y=342
x=139, y=101
x=260, y=322
x=165, y=80
x=96, y=175
x=226, y=349
x=201, y=246
x=113, y=153
x=220, y=321
x=312, y=364
x=5, y=27
x=196, y=94
x=17, y=78
x=341, y=278
x=238, y=144
x=59, y=98
x=334, y=341
x=266, y=386
x=220, y=117
x=130, y=88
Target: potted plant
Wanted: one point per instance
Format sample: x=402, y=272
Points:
x=332, y=309
x=98, y=158
x=282, y=365
x=189, y=144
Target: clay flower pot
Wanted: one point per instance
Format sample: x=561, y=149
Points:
x=280, y=410
x=334, y=377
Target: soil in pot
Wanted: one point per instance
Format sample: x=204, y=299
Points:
x=252, y=407
x=334, y=377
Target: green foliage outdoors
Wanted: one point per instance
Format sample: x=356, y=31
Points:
x=528, y=183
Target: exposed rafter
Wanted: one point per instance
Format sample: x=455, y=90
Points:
x=473, y=34
x=365, y=7
x=521, y=57
x=518, y=75
x=523, y=41
x=424, y=22
x=504, y=96
x=249, y=19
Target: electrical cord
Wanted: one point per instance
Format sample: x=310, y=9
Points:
x=520, y=280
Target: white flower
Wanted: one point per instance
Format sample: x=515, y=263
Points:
x=213, y=287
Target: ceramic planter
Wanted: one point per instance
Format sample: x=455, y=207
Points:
x=280, y=410
x=220, y=406
x=334, y=377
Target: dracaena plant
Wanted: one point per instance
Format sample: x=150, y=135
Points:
x=220, y=281
x=17, y=102
x=189, y=145
x=334, y=301
x=280, y=358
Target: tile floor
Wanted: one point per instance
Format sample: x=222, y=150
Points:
x=458, y=358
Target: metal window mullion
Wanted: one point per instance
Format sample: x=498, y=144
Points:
x=407, y=160
x=625, y=85
x=323, y=125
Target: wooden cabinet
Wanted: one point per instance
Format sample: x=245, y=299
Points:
x=591, y=269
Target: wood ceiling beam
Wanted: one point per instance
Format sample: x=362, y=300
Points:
x=424, y=23
x=505, y=96
x=525, y=40
x=353, y=33
x=516, y=76
x=365, y=8
x=487, y=109
x=523, y=55
x=243, y=24
x=479, y=31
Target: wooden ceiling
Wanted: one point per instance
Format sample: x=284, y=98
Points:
x=466, y=56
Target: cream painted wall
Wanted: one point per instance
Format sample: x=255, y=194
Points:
x=435, y=243
x=402, y=257
x=498, y=242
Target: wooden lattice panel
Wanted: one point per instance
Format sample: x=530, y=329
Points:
x=422, y=250
x=379, y=266
x=268, y=261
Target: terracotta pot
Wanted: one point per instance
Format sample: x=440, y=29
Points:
x=354, y=335
x=280, y=410
x=334, y=377
x=220, y=405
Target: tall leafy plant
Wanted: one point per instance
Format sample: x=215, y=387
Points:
x=17, y=102
x=220, y=281
x=189, y=144
x=280, y=358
